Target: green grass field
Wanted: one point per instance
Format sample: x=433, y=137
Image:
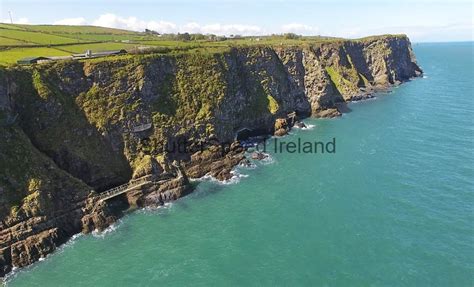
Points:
x=13, y=42
x=62, y=40
x=9, y=26
x=36, y=37
x=10, y=56
x=58, y=29
x=106, y=37
x=97, y=47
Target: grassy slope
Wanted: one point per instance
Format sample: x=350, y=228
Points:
x=59, y=125
x=36, y=37
x=29, y=175
x=13, y=42
x=98, y=47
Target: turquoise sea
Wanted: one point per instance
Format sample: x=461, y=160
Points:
x=392, y=207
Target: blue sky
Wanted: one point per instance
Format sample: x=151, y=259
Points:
x=423, y=21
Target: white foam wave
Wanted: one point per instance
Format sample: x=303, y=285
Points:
x=373, y=98
x=306, y=127
x=101, y=234
x=268, y=159
x=207, y=177
x=153, y=209
x=309, y=127
x=251, y=165
x=236, y=177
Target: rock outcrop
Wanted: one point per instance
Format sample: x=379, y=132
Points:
x=70, y=130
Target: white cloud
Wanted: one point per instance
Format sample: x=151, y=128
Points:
x=299, y=28
x=455, y=31
x=192, y=27
x=133, y=23
x=451, y=32
x=22, y=20
x=162, y=26
x=221, y=29
x=114, y=21
x=71, y=21
x=352, y=32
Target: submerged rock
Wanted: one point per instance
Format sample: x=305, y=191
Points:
x=281, y=127
x=280, y=132
x=258, y=155
x=328, y=113
x=300, y=125
x=245, y=162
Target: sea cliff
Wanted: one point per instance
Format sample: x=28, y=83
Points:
x=73, y=129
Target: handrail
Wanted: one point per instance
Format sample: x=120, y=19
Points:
x=129, y=185
x=134, y=183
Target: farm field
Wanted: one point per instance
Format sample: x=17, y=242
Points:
x=36, y=37
x=20, y=41
x=11, y=56
x=13, y=42
x=97, y=47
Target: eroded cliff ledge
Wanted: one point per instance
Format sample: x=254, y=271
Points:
x=69, y=130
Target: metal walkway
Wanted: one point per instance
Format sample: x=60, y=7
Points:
x=136, y=183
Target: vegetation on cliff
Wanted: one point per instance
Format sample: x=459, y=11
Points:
x=58, y=127
x=29, y=179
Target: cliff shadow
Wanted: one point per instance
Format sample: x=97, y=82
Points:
x=60, y=129
x=343, y=108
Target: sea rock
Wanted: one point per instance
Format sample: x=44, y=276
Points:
x=281, y=127
x=259, y=155
x=217, y=161
x=328, y=113
x=280, y=132
x=300, y=125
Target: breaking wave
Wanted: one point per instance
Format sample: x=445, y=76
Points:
x=111, y=228
x=236, y=177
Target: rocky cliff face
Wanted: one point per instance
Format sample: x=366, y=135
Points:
x=69, y=130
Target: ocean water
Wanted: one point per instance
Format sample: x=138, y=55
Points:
x=393, y=206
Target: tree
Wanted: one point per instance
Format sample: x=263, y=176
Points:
x=291, y=36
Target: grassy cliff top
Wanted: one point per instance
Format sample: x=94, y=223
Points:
x=20, y=41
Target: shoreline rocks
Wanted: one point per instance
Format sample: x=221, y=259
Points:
x=281, y=127
x=300, y=125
